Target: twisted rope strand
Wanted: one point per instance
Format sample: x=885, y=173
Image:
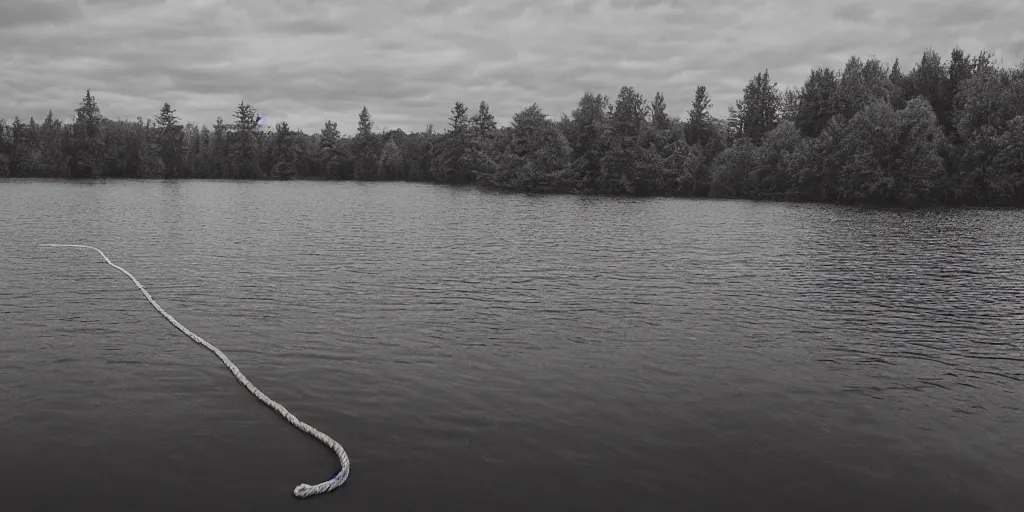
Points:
x=301, y=490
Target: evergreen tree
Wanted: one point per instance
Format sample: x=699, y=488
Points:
x=877, y=84
x=166, y=118
x=5, y=149
x=698, y=126
x=852, y=94
x=902, y=88
x=452, y=157
x=329, y=135
x=945, y=131
x=930, y=79
x=758, y=112
x=147, y=162
x=244, y=149
x=483, y=121
x=170, y=141
x=365, y=128
x=220, y=150
x=961, y=68
x=818, y=101
x=54, y=160
x=628, y=165
x=18, y=165
x=458, y=122
x=87, y=156
x=364, y=148
x=331, y=159
x=284, y=152
x=629, y=114
x=659, y=116
x=585, y=131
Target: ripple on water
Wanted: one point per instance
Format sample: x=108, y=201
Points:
x=481, y=351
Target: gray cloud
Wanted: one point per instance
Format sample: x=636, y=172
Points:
x=408, y=61
x=855, y=12
x=15, y=13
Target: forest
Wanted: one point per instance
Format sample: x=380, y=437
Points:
x=947, y=132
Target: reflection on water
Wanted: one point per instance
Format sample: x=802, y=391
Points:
x=481, y=351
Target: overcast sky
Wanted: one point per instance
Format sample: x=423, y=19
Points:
x=408, y=61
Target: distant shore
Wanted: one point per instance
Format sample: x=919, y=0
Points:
x=908, y=203
x=946, y=132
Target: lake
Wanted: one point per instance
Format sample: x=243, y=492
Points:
x=478, y=351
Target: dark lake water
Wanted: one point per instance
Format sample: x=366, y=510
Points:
x=477, y=351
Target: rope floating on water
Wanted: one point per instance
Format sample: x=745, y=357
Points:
x=301, y=490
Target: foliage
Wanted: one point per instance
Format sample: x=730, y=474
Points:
x=940, y=132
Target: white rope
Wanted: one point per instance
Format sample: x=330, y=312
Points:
x=301, y=490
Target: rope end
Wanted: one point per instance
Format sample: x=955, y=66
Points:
x=306, y=490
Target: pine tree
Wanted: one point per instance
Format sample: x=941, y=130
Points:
x=53, y=157
x=698, y=126
x=220, y=150
x=166, y=117
x=629, y=114
x=329, y=135
x=902, y=88
x=758, y=112
x=170, y=137
x=930, y=78
x=876, y=82
x=329, y=156
x=818, y=101
x=453, y=153
x=244, y=155
x=852, y=94
x=365, y=124
x=285, y=152
x=459, y=121
x=483, y=120
x=365, y=148
x=659, y=116
x=150, y=164
x=585, y=131
x=19, y=149
x=87, y=156
x=246, y=119
x=624, y=166
x=5, y=163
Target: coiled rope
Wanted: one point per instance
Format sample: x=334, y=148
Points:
x=301, y=490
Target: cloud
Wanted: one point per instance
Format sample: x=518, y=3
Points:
x=15, y=13
x=855, y=12
x=408, y=61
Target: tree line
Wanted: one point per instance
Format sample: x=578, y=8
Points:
x=944, y=132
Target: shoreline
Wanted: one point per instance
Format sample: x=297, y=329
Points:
x=866, y=204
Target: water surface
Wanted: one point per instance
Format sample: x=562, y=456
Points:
x=478, y=351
